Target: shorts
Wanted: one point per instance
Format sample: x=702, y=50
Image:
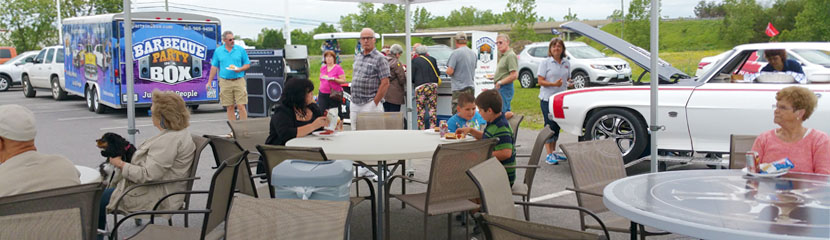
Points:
x=232, y=92
x=548, y=121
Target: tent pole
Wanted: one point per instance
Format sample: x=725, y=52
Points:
x=655, y=7
x=409, y=89
x=128, y=73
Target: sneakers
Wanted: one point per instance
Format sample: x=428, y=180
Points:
x=551, y=159
x=560, y=156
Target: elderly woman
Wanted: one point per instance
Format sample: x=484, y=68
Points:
x=425, y=80
x=166, y=156
x=807, y=148
x=396, y=95
x=298, y=115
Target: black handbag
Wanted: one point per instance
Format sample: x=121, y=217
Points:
x=336, y=95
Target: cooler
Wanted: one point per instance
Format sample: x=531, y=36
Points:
x=301, y=179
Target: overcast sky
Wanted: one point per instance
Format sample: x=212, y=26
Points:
x=307, y=14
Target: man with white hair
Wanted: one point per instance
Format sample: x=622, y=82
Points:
x=506, y=73
x=22, y=168
x=370, y=78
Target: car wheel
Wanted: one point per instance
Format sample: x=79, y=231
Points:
x=57, y=92
x=88, y=96
x=5, y=83
x=526, y=79
x=96, y=103
x=628, y=131
x=581, y=79
x=28, y=90
x=193, y=107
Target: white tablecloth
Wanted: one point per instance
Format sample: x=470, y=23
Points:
x=88, y=174
x=375, y=145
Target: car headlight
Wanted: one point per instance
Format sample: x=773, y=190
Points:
x=599, y=67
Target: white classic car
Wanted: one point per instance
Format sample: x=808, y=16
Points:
x=698, y=114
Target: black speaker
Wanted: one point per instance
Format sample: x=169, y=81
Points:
x=263, y=94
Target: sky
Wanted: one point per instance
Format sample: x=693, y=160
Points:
x=307, y=14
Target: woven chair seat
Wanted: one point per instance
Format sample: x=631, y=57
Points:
x=294, y=219
x=519, y=188
x=157, y=231
x=536, y=230
x=418, y=201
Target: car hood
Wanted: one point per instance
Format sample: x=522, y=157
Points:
x=640, y=56
x=604, y=61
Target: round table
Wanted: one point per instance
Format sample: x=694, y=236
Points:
x=88, y=174
x=376, y=147
x=725, y=204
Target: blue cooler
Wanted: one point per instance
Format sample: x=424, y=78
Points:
x=301, y=179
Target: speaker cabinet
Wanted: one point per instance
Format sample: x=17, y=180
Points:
x=263, y=94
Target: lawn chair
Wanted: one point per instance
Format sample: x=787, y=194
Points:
x=251, y=132
x=595, y=164
x=223, y=148
x=200, y=143
x=384, y=121
x=59, y=213
x=448, y=190
x=219, y=199
x=274, y=155
x=499, y=220
x=514, y=125
x=524, y=187
x=738, y=146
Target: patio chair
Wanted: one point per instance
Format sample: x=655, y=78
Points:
x=514, y=125
x=224, y=148
x=59, y=213
x=448, y=189
x=384, y=121
x=524, y=187
x=251, y=132
x=593, y=165
x=288, y=219
x=200, y=143
x=500, y=221
x=274, y=155
x=738, y=146
x=219, y=198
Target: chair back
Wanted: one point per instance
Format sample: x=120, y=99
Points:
x=380, y=120
x=274, y=155
x=494, y=187
x=447, y=178
x=514, y=125
x=251, y=132
x=594, y=164
x=60, y=213
x=738, y=146
x=224, y=148
x=499, y=228
x=221, y=191
x=535, y=155
x=201, y=143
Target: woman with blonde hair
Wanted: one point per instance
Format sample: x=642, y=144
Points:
x=166, y=156
x=807, y=148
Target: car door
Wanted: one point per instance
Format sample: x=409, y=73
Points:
x=57, y=66
x=36, y=70
x=45, y=70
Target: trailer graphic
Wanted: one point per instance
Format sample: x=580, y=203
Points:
x=171, y=52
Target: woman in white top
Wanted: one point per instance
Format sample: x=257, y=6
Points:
x=554, y=75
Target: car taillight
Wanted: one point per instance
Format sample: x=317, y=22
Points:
x=116, y=73
x=702, y=64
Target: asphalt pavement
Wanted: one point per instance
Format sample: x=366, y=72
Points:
x=69, y=129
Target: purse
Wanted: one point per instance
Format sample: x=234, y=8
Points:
x=433, y=70
x=336, y=95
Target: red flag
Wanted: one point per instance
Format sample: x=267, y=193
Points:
x=771, y=32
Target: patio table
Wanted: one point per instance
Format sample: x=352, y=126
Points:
x=88, y=174
x=725, y=204
x=371, y=147
x=295, y=219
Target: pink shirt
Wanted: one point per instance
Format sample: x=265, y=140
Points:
x=325, y=85
x=811, y=154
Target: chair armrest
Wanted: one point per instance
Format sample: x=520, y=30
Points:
x=581, y=209
x=584, y=191
x=118, y=224
x=410, y=179
x=523, y=166
x=158, y=203
x=133, y=187
x=368, y=183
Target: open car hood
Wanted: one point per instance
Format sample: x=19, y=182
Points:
x=640, y=56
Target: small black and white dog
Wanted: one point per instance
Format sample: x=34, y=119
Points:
x=113, y=145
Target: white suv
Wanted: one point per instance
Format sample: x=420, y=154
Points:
x=588, y=66
x=45, y=72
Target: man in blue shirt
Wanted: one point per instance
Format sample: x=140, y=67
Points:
x=230, y=61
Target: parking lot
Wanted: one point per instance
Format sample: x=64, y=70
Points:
x=69, y=129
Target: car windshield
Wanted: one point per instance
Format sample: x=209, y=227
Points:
x=18, y=57
x=814, y=56
x=584, y=52
x=440, y=53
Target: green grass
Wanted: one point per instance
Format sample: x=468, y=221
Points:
x=315, y=63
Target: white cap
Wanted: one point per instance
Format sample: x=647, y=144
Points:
x=17, y=123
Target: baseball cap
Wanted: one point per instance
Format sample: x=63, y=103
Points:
x=460, y=36
x=17, y=123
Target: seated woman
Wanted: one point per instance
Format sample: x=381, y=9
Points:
x=777, y=63
x=165, y=156
x=807, y=148
x=298, y=115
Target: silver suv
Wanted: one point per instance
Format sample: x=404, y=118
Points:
x=46, y=72
x=588, y=66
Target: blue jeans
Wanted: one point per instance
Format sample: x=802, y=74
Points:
x=506, y=97
x=102, y=210
x=548, y=121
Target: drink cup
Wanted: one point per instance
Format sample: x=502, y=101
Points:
x=751, y=161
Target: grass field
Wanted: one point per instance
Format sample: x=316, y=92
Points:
x=526, y=100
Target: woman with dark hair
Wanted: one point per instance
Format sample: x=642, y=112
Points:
x=298, y=115
x=554, y=75
x=778, y=62
x=331, y=76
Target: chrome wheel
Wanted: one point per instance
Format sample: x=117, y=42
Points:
x=580, y=80
x=627, y=130
x=4, y=83
x=526, y=79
